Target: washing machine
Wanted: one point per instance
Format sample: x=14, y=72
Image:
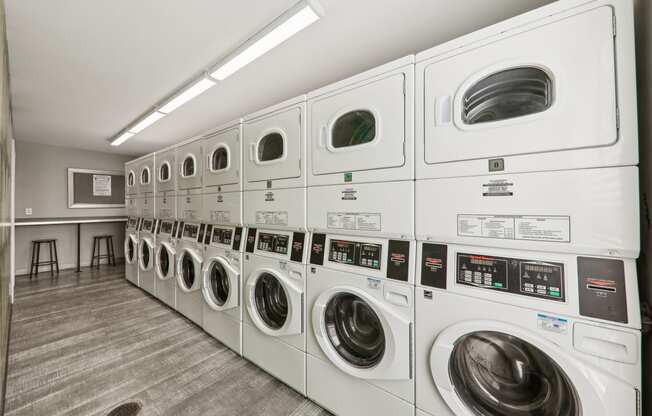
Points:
x=513, y=332
x=222, y=192
x=165, y=261
x=131, y=249
x=146, y=255
x=222, y=286
x=273, y=326
x=360, y=325
x=190, y=260
x=361, y=149
x=552, y=89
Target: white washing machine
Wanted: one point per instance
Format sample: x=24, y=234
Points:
x=584, y=211
x=146, y=255
x=222, y=199
x=190, y=261
x=361, y=147
x=552, y=89
x=274, y=146
x=273, y=328
x=222, y=286
x=165, y=261
x=510, y=332
x=360, y=305
x=131, y=249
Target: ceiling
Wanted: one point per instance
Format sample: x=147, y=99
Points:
x=82, y=70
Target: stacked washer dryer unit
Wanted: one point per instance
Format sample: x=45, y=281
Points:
x=273, y=330
x=527, y=217
x=222, y=205
x=361, y=215
x=147, y=232
x=166, y=231
x=190, y=244
x=133, y=222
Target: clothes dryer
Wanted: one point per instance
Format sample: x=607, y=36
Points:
x=188, y=155
x=222, y=286
x=146, y=255
x=552, y=89
x=131, y=249
x=273, y=328
x=165, y=261
x=222, y=193
x=166, y=201
x=508, y=332
x=360, y=327
x=146, y=181
x=131, y=181
x=190, y=259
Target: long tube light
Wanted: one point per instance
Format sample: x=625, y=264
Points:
x=294, y=20
x=284, y=27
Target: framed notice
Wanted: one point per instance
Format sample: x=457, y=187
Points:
x=90, y=188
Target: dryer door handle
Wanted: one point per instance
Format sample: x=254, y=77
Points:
x=322, y=136
x=252, y=148
x=443, y=110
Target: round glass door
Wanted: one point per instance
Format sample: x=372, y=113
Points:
x=218, y=283
x=271, y=301
x=188, y=270
x=496, y=374
x=354, y=330
x=144, y=255
x=131, y=250
x=164, y=261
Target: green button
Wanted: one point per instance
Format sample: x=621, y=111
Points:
x=348, y=177
x=554, y=293
x=498, y=284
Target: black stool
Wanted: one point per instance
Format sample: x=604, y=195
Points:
x=97, y=251
x=36, y=256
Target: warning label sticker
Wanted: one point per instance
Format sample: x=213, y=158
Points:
x=272, y=217
x=515, y=227
x=552, y=323
x=361, y=221
x=220, y=217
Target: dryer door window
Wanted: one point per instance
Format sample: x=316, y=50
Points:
x=511, y=93
x=354, y=128
x=164, y=172
x=219, y=159
x=354, y=330
x=188, y=271
x=188, y=167
x=271, y=147
x=271, y=301
x=501, y=375
x=144, y=176
x=219, y=284
x=131, y=181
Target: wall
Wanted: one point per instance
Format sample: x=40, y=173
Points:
x=6, y=198
x=42, y=184
x=644, y=75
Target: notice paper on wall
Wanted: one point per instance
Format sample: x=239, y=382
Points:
x=101, y=185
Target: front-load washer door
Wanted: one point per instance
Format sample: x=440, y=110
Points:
x=273, y=146
x=359, y=129
x=494, y=368
x=220, y=285
x=131, y=249
x=551, y=88
x=361, y=336
x=165, y=261
x=274, y=303
x=222, y=153
x=146, y=254
x=189, y=268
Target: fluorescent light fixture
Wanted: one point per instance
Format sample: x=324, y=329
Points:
x=188, y=94
x=146, y=122
x=290, y=23
x=122, y=138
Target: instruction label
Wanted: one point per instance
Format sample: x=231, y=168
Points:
x=361, y=221
x=272, y=217
x=515, y=227
x=552, y=323
x=220, y=217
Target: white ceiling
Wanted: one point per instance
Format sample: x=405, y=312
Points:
x=81, y=70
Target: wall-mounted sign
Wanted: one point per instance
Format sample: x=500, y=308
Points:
x=101, y=185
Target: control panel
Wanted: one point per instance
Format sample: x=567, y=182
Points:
x=147, y=225
x=273, y=243
x=190, y=231
x=525, y=277
x=132, y=222
x=166, y=227
x=222, y=235
x=355, y=253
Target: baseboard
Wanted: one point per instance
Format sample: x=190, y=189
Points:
x=46, y=269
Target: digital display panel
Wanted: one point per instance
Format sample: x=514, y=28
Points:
x=222, y=235
x=190, y=231
x=166, y=227
x=273, y=243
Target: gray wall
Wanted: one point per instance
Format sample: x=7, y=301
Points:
x=644, y=64
x=42, y=184
x=5, y=208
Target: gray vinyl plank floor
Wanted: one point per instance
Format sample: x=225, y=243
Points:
x=82, y=344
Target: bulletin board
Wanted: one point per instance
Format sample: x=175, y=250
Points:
x=89, y=188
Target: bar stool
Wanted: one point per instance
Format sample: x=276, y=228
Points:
x=36, y=256
x=97, y=250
